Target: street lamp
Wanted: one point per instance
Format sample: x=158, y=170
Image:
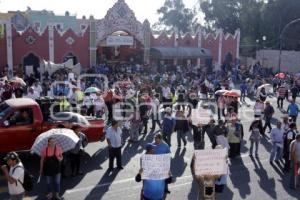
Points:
x=280, y=40
x=264, y=38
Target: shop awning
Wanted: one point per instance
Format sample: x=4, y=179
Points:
x=163, y=53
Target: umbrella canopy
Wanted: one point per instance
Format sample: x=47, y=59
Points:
x=232, y=94
x=17, y=80
x=71, y=118
x=280, y=75
x=65, y=138
x=92, y=90
x=266, y=86
x=221, y=91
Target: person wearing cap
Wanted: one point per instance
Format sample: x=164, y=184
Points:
x=152, y=189
x=256, y=130
x=269, y=112
x=14, y=174
x=168, y=125
x=295, y=161
x=277, y=142
x=114, y=141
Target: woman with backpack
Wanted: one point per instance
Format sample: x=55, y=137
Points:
x=50, y=166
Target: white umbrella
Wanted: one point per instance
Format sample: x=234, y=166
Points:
x=65, y=138
x=221, y=91
x=266, y=86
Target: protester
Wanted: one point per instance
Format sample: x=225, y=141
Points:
x=281, y=91
x=152, y=189
x=182, y=128
x=295, y=92
x=161, y=147
x=77, y=153
x=168, y=125
x=277, y=143
x=135, y=127
x=234, y=137
x=268, y=112
x=14, y=174
x=50, y=166
x=114, y=141
x=243, y=89
x=293, y=111
x=258, y=108
x=255, y=130
x=221, y=133
x=295, y=161
x=288, y=137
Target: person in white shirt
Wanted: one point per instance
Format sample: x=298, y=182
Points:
x=38, y=88
x=99, y=105
x=258, y=108
x=277, y=142
x=14, y=174
x=32, y=94
x=114, y=141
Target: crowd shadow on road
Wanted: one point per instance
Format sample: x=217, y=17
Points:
x=241, y=183
x=265, y=182
x=178, y=165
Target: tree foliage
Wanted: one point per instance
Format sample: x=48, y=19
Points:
x=174, y=14
x=255, y=19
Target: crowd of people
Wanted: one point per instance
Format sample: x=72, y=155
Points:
x=166, y=97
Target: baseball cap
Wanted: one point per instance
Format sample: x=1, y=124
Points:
x=11, y=156
x=150, y=146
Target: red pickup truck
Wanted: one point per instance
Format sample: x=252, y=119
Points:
x=21, y=121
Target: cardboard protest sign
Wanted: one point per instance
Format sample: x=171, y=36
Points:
x=211, y=162
x=156, y=167
x=201, y=116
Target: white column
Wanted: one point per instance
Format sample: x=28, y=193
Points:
x=9, y=48
x=220, y=49
x=199, y=45
x=51, y=43
x=238, y=38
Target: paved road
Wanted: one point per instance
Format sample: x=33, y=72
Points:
x=250, y=178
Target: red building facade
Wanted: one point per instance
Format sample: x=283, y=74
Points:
x=31, y=48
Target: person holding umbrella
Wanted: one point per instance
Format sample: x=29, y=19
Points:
x=50, y=166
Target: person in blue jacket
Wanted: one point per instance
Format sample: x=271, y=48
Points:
x=293, y=111
x=152, y=189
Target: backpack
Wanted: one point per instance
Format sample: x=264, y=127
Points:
x=28, y=180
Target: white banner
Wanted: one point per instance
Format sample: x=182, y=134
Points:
x=201, y=116
x=156, y=167
x=113, y=40
x=211, y=162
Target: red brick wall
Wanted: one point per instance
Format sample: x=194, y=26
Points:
x=211, y=43
x=21, y=48
x=162, y=41
x=187, y=41
x=229, y=45
x=79, y=48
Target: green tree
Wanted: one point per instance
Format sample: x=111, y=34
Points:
x=174, y=14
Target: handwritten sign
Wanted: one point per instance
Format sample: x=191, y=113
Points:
x=201, y=116
x=211, y=162
x=156, y=167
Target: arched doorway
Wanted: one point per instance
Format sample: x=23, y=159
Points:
x=120, y=46
x=72, y=57
x=31, y=64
